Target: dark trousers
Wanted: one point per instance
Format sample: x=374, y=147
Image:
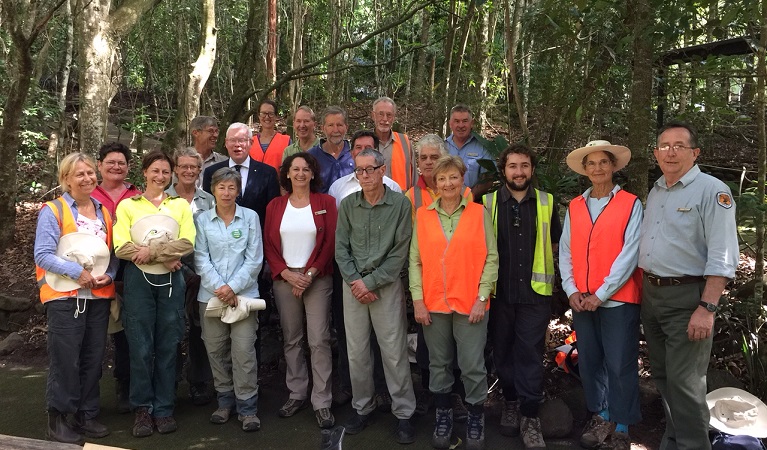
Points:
x=153, y=316
x=75, y=349
x=197, y=364
x=122, y=358
x=518, y=333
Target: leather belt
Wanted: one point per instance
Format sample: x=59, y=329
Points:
x=655, y=280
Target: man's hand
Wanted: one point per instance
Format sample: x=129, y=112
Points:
x=591, y=302
x=477, y=311
x=358, y=288
x=576, y=301
x=421, y=313
x=701, y=324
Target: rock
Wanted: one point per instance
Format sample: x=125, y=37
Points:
x=17, y=320
x=8, y=303
x=556, y=418
x=717, y=378
x=11, y=343
x=4, y=325
x=575, y=399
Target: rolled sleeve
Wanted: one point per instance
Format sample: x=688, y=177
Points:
x=722, y=244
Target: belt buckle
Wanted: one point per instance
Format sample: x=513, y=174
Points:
x=675, y=282
x=655, y=281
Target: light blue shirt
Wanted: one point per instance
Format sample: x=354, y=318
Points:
x=230, y=255
x=623, y=266
x=471, y=152
x=689, y=228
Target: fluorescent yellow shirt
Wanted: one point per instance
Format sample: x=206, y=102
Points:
x=129, y=211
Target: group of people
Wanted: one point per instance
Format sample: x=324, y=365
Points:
x=338, y=230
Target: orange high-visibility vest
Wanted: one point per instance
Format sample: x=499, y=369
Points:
x=402, y=165
x=451, y=270
x=67, y=225
x=273, y=153
x=594, y=246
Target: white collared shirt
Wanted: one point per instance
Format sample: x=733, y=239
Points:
x=349, y=184
x=244, y=171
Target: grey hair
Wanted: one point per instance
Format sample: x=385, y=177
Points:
x=332, y=111
x=202, y=122
x=461, y=108
x=379, y=158
x=189, y=152
x=431, y=140
x=306, y=109
x=226, y=174
x=385, y=100
x=237, y=126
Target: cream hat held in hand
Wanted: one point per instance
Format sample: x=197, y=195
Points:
x=154, y=228
x=87, y=250
x=232, y=314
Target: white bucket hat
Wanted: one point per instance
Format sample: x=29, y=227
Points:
x=87, y=250
x=735, y=411
x=230, y=314
x=575, y=158
x=151, y=229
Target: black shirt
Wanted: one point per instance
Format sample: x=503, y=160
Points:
x=516, y=223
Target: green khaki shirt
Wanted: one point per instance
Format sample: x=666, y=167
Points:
x=294, y=148
x=372, y=242
x=449, y=223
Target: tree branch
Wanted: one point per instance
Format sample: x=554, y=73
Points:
x=40, y=26
x=122, y=19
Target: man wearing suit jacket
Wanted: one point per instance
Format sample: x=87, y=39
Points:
x=259, y=180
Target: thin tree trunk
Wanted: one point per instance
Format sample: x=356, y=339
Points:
x=297, y=52
x=484, y=59
x=271, y=41
x=456, y=70
x=57, y=137
x=444, y=93
x=761, y=159
x=512, y=39
x=421, y=55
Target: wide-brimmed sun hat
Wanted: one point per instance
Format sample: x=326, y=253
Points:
x=230, y=314
x=738, y=412
x=575, y=158
x=87, y=250
x=151, y=229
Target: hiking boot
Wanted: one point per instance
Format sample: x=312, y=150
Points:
x=475, y=430
x=325, y=418
x=123, y=397
x=200, y=394
x=221, y=415
x=89, y=427
x=459, y=409
x=405, y=432
x=165, y=425
x=357, y=423
x=595, y=432
x=59, y=430
x=142, y=425
x=443, y=428
x=530, y=429
x=250, y=422
x=423, y=403
x=510, y=418
x=291, y=407
x=383, y=400
x=617, y=441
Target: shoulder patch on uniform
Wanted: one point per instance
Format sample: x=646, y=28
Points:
x=724, y=199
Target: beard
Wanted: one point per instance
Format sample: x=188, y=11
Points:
x=519, y=187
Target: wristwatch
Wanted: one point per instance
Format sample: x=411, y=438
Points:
x=310, y=274
x=710, y=307
x=482, y=298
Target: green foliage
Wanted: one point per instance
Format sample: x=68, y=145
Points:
x=740, y=330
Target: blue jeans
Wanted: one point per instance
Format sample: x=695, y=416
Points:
x=153, y=317
x=75, y=349
x=608, y=348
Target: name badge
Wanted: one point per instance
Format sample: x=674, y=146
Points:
x=322, y=211
x=236, y=234
x=473, y=155
x=684, y=209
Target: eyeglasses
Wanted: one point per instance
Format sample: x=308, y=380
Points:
x=367, y=170
x=188, y=167
x=601, y=163
x=238, y=141
x=267, y=114
x=115, y=163
x=517, y=219
x=677, y=148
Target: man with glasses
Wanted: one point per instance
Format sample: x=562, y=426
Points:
x=688, y=250
x=372, y=243
x=395, y=147
x=333, y=152
x=528, y=229
x=204, y=131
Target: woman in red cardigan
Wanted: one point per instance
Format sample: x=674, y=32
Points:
x=299, y=243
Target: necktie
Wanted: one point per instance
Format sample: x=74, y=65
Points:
x=238, y=167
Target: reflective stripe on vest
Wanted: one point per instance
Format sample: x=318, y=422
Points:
x=66, y=220
x=274, y=151
x=542, y=280
x=402, y=167
x=451, y=270
x=594, y=246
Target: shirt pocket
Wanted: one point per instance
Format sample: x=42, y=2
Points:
x=682, y=223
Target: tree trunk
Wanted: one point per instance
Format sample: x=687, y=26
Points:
x=99, y=34
x=484, y=60
x=640, y=122
x=762, y=160
x=444, y=93
x=271, y=41
x=189, y=102
x=300, y=11
x=455, y=72
x=422, y=55
x=57, y=137
x=512, y=40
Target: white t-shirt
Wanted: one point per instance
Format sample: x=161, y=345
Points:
x=298, y=235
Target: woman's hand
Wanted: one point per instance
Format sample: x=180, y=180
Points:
x=421, y=313
x=86, y=280
x=226, y=295
x=296, y=279
x=173, y=265
x=477, y=311
x=102, y=280
x=142, y=257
